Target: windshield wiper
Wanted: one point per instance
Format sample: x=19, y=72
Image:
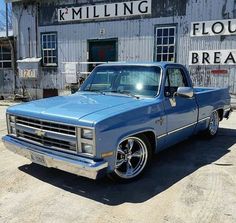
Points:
x=96, y=91
x=128, y=93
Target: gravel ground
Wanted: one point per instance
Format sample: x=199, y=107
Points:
x=194, y=181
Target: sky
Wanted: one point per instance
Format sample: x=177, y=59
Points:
x=2, y=9
x=2, y=12
x=2, y=5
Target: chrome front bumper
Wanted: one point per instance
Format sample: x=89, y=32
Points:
x=70, y=163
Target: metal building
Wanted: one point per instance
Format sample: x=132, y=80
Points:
x=197, y=33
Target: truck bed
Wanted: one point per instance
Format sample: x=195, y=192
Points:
x=209, y=99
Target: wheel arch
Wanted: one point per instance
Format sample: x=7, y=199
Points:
x=149, y=133
x=146, y=137
x=151, y=138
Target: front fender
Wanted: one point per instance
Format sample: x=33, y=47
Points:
x=110, y=132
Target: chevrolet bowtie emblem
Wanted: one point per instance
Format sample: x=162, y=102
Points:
x=40, y=133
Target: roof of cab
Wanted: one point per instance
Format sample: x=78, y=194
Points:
x=160, y=64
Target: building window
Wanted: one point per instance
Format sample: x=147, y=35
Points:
x=5, y=56
x=49, y=49
x=165, y=49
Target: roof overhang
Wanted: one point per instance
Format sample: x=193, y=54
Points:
x=3, y=34
x=10, y=1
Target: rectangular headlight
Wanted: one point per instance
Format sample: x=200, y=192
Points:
x=11, y=121
x=12, y=118
x=8, y=123
x=87, y=134
x=86, y=141
x=87, y=148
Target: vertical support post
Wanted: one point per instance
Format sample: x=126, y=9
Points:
x=7, y=20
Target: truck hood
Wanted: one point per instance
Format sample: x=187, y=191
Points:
x=70, y=109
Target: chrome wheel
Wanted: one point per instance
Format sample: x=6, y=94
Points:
x=131, y=158
x=214, y=123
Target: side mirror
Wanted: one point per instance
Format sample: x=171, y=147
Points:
x=186, y=92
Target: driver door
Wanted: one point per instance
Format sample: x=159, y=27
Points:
x=181, y=113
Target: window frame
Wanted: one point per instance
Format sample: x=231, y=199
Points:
x=165, y=26
x=167, y=78
x=47, y=49
x=2, y=61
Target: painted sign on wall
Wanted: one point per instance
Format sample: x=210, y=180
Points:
x=213, y=57
x=105, y=11
x=213, y=28
x=27, y=73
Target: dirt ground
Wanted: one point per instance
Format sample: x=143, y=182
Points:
x=194, y=181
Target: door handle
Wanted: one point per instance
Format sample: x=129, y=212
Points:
x=160, y=121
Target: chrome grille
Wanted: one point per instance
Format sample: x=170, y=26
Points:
x=45, y=125
x=49, y=134
x=47, y=141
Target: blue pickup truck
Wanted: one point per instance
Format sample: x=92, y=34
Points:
x=120, y=117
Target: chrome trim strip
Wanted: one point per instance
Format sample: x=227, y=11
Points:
x=28, y=123
x=176, y=130
x=8, y=123
x=49, y=147
x=87, y=141
x=204, y=119
x=161, y=136
x=81, y=140
x=78, y=134
x=184, y=127
x=161, y=80
x=46, y=131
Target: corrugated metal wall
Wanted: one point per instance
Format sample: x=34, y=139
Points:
x=136, y=40
x=204, y=11
x=6, y=82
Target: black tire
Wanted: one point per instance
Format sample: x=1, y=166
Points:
x=213, y=125
x=132, y=158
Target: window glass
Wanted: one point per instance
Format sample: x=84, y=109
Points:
x=49, y=49
x=174, y=79
x=165, y=44
x=137, y=80
x=177, y=79
x=5, y=56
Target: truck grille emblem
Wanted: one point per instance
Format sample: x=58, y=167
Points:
x=40, y=133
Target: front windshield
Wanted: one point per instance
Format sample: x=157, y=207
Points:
x=132, y=80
